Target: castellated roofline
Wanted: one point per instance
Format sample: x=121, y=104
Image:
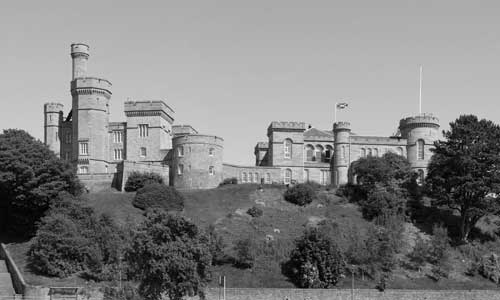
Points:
x=198, y=139
x=91, y=85
x=148, y=108
x=421, y=120
x=53, y=107
x=79, y=49
x=286, y=126
x=342, y=126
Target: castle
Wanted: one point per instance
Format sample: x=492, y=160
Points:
x=105, y=153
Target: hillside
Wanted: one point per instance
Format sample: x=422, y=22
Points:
x=281, y=223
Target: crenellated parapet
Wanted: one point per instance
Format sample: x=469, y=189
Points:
x=91, y=86
x=286, y=126
x=53, y=107
x=338, y=126
x=148, y=109
x=419, y=121
x=79, y=49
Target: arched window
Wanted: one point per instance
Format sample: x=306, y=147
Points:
x=288, y=176
x=244, y=177
x=369, y=152
x=420, y=149
x=375, y=152
x=318, y=153
x=328, y=153
x=256, y=178
x=363, y=152
x=309, y=153
x=287, y=148
x=250, y=177
x=400, y=151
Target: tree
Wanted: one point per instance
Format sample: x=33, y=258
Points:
x=316, y=261
x=169, y=255
x=137, y=180
x=245, y=253
x=464, y=172
x=156, y=195
x=31, y=177
x=300, y=194
x=383, y=201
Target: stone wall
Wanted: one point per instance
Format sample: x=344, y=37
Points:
x=143, y=167
x=15, y=274
x=99, y=182
x=346, y=294
x=269, y=174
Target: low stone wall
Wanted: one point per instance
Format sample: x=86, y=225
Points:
x=16, y=276
x=346, y=294
x=273, y=174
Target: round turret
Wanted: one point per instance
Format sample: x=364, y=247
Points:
x=80, y=55
x=340, y=165
x=197, y=161
x=420, y=131
x=53, y=114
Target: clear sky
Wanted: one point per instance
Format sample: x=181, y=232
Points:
x=229, y=68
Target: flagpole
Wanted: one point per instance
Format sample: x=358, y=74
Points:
x=420, y=93
x=335, y=117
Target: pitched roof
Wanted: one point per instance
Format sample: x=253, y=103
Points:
x=314, y=133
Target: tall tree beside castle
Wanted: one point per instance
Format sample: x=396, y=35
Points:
x=31, y=177
x=464, y=172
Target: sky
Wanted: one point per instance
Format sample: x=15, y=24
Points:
x=229, y=68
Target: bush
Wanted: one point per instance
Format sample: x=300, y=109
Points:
x=383, y=201
x=245, y=253
x=255, y=212
x=232, y=180
x=300, y=194
x=137, y=180
x=316, y=261
x=490, y=267
x=157, y=195
x=216, y=244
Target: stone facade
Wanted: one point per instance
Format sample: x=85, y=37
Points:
x=106, y=152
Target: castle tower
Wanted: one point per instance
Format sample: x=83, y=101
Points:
x=53, y=114
x=421, y=132
x=80, y=56
x=342, y=145
x=90, y=103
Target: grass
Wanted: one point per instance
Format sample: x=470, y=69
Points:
x=225, y=208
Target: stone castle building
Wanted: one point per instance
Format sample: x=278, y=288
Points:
x=105, y=152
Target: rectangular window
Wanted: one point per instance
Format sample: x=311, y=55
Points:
x=143, y=130
x=67, y=155
x=83, y=170
x=57, y=136
x=325, y=177
x=180, y=151
x=143, y=152
x=118, y=154
x=84, y=148
x=268, y=178
x=211, y=170
x=117, y=136
x=67, y=138
x=180, y=169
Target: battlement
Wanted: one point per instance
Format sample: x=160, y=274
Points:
x=286, y=126
x=421, y=120
x=148, y=108
x=53, y=107
x=341, y=126
x=79, y=49
x=197, y=139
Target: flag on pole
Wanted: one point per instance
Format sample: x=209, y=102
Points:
x=341, y=105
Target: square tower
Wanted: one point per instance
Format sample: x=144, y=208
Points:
x=149, y=130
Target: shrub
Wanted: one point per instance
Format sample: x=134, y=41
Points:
x=232, y=180
x=383, y=201
x=300, y=194
x=157, y=195
x=216, y=244
x=137, y=180
x=490, y=267
x=255, y=212
x=245, y=253
x=316, y=261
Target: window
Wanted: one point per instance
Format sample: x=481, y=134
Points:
x=250, y=177
x=309, y=153
x=67, y=155
x=375, y=152
x=57, y=136
x=343, y=154
x=268, y=178
x=369, y=152
x=256, y=177
x=287, y=148
x=306, y=175
x=400, y=151
x=118, y=154
x=143, y=130
x=180, y=151
x=325, y=177
x=84, y=148
x=328, y=153
x=180, y=169
x=244, y=177
x=421, y=177
x=319, y=155
x=117, y=136
x=288, y=176
x=83, y=170
x=420, y=149
x=363, y=152
x=67, y=138
x=211, y=151
x=211, y=170
x=143, y=152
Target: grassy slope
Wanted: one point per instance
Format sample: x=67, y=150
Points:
x=225, y=207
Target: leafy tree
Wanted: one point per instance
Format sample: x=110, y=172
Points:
x=383, y=201
x=316, y=261
x=464, y=172
x=390, y=167
x=157, y=195
x=169, y=255
x=300, y=194
x=137, y=180
x=31, y=177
